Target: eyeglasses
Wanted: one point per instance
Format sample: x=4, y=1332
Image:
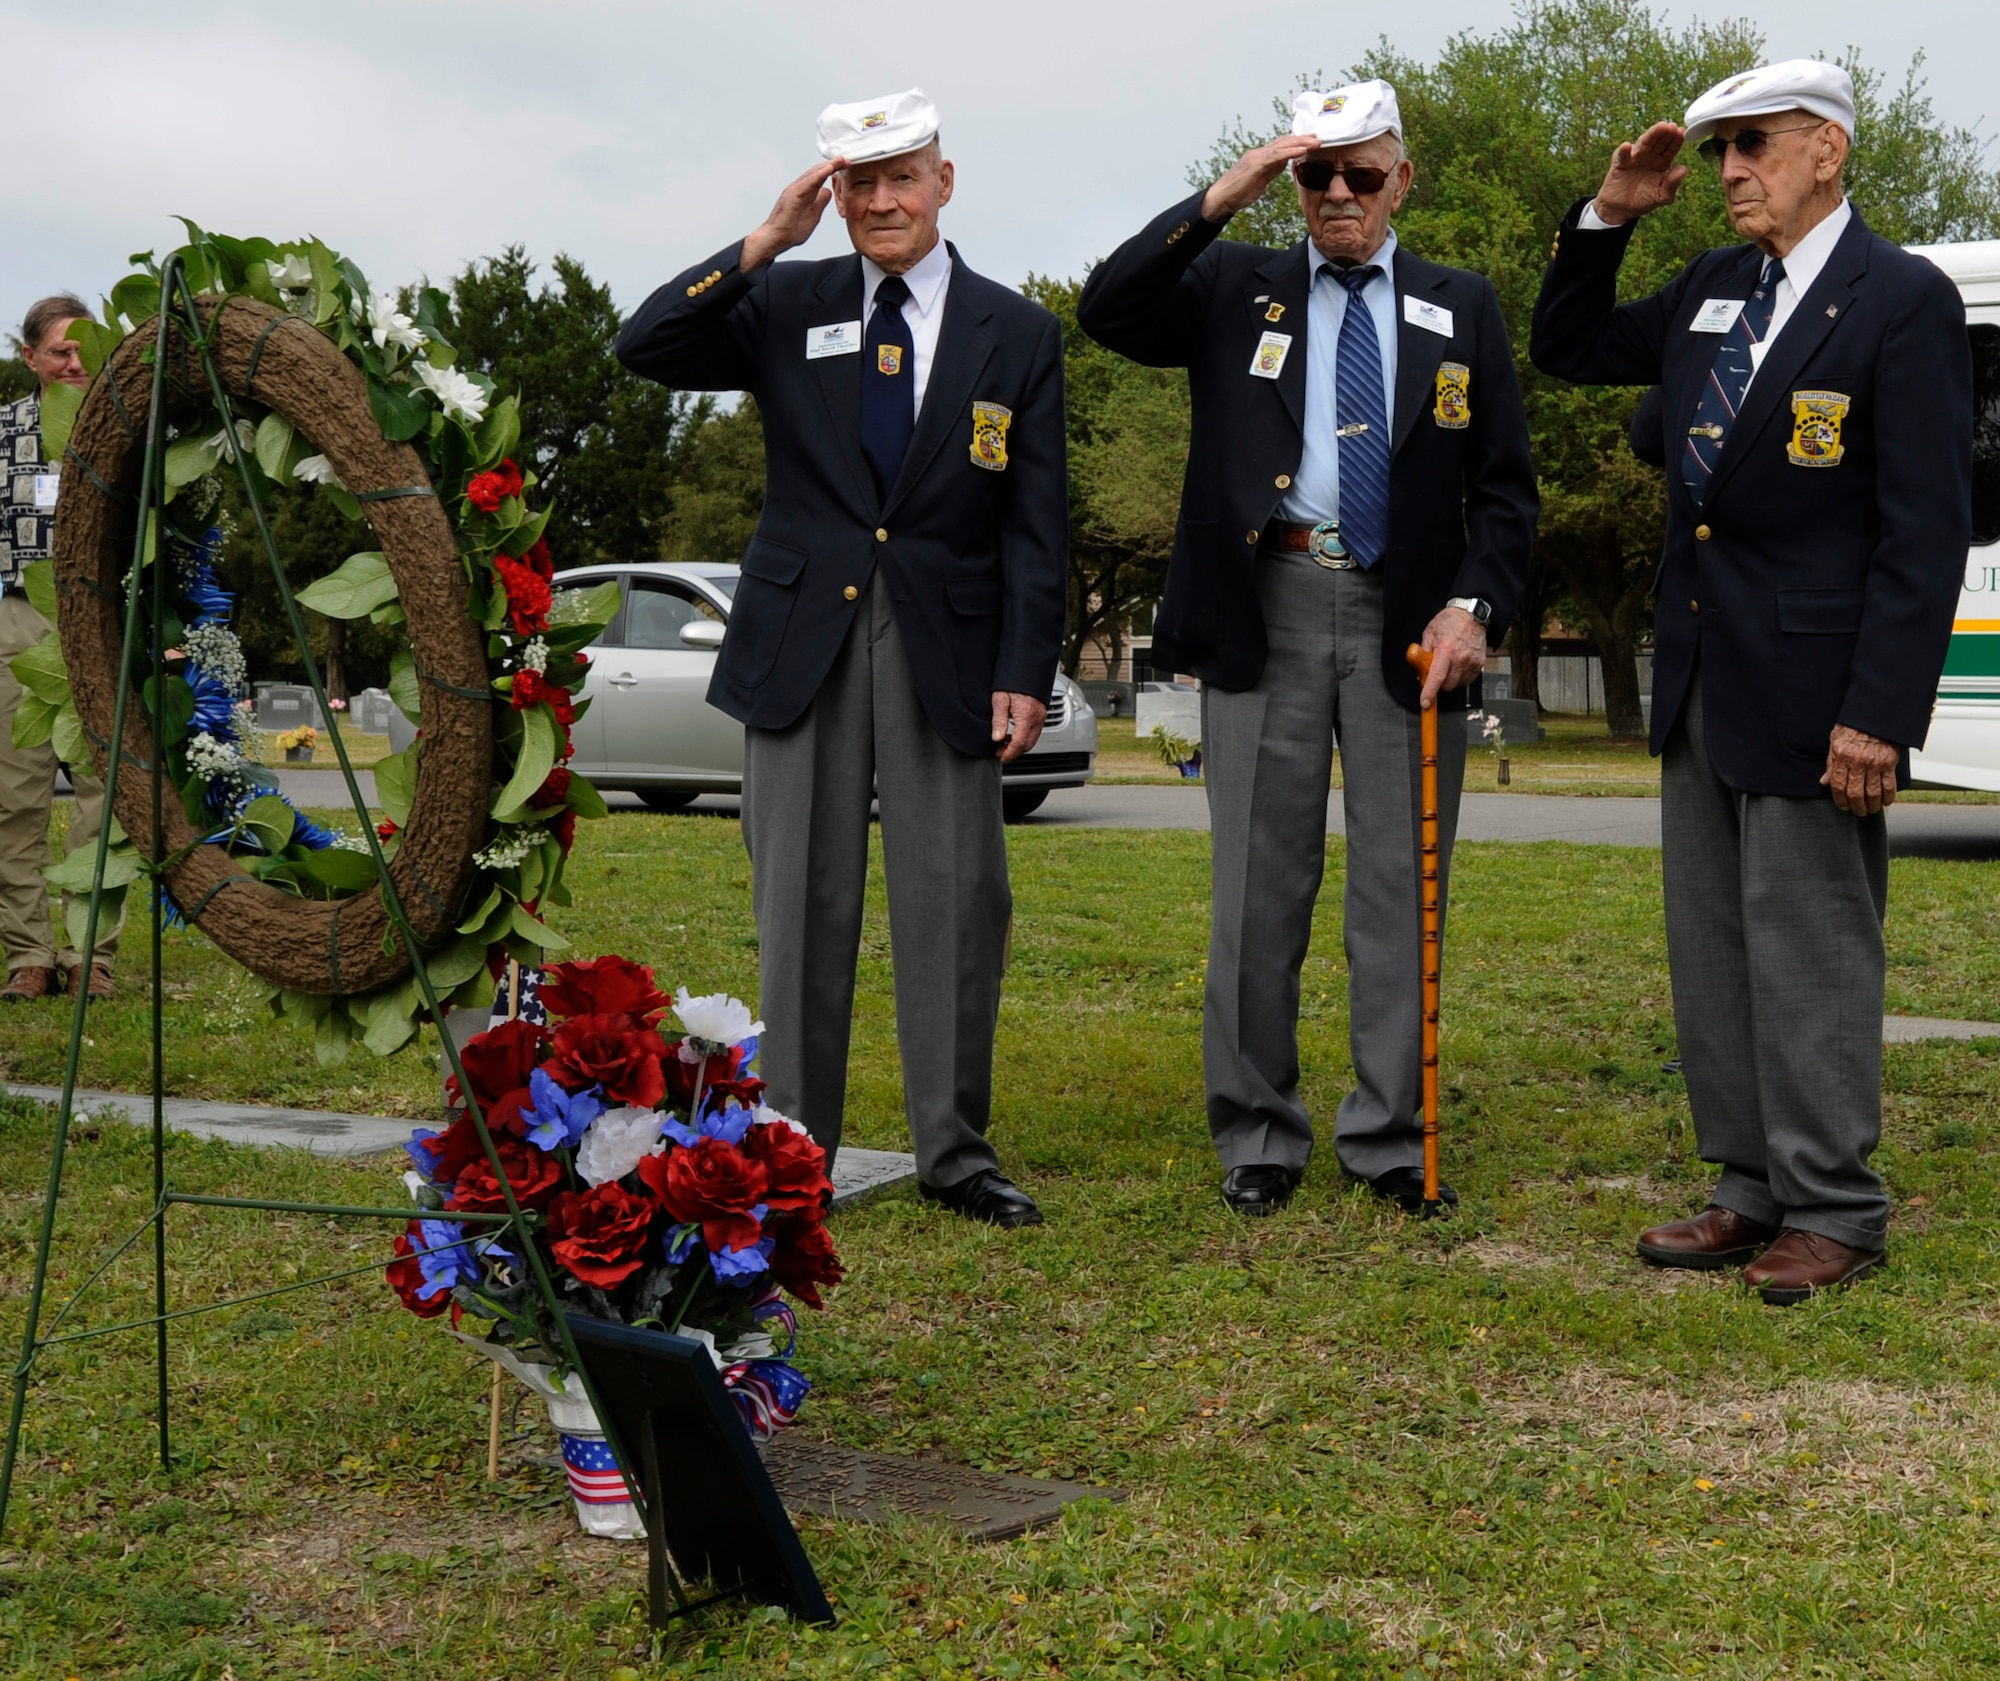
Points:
x=1749, y=144
x=1361, y=179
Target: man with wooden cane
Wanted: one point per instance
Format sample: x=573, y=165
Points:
x=1359, y=480
x=1817, y=413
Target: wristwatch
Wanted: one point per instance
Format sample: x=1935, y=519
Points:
x=1480, y=610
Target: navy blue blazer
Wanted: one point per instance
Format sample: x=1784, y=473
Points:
x=1462, y=498
x=1817, y=583
x=972, y=539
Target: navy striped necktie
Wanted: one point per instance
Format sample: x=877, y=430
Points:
x=1728, y=379
x=1361, y=412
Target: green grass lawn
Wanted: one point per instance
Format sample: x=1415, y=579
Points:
x=1353, y=1445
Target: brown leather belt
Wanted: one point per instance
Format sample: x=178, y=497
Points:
x=1288, y=538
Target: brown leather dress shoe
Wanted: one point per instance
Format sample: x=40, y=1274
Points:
x=100, y=985
x=1714, y=1238
x=24, y=986
x=1801, y=1264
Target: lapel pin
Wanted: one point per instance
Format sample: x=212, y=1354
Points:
x=1832, y=310
x=1275, y=313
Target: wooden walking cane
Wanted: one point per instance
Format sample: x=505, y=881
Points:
x=1433, y=947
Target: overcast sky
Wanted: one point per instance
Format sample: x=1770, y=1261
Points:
x=414, y=134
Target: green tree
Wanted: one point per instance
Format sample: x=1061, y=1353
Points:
x=1128, y=439
x=1507, y=130
x=718, y=490
x=603, y=442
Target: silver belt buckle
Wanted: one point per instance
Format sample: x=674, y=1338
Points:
x=1325, y=548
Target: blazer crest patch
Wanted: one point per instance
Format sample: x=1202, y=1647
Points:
x=889, y=358
x=989, y=435
x=1454, y=397
x=1816, y=418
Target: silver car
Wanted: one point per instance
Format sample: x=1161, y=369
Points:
x=650, y=730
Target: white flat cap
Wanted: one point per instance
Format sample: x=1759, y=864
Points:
x=877, y=128
x=1347, y=116
x=1797, y=84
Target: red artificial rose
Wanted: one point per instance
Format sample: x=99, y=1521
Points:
x=499, y=1060
x=529, y=597
x=713, y=1184
x=723, y=1073
x=553, y=791
x=534, y=1174
x=804, y=1259
x=794, y=1164
x=564, y=829
x=530, y=688
x=600, y=1234
x=406, y=1276
x=608, y=985
x=619, y=1052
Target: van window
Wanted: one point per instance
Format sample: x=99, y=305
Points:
x=1985, y=432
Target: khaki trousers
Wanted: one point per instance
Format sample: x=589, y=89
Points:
x=27, y=799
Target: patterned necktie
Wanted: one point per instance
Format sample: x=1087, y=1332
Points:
x=1361, y=412
x=1722, y=395
x=888, y=407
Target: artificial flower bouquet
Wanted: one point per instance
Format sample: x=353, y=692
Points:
x=665, y=1194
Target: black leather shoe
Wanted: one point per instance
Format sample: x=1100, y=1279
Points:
x=1404, y=1186
x=988, y=1196
x=1260, y=1189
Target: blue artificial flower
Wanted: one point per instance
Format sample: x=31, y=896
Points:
x=682, y=1241
x=214, y=704
x=422, y=1150
x=728, y=1125
x=167, y=909
x=449, y=1260
x=211, y=602
x=740, y=1266
x=308, y=834
x=560, y=1120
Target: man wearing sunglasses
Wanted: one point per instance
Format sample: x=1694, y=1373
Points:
x=1815, y=422
x=1359, y=480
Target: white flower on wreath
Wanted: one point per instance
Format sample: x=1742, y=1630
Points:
x=294, y=274
x=618, y=1140
x=717, y=1018
x=387, y=324
x=316, y=469
x=535, y=656
x=457, y=395
x=226, y=446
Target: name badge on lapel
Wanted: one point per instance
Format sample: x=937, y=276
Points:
x=989, y=435
x=1421, y=312
x=842, y=338
x=1816, y=418
x=1454, y=397
x=47, y=486
x=1717, y=315
x=1272, y=349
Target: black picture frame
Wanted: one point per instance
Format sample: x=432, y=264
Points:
x=710, y=1503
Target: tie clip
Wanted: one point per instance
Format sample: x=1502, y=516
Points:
x=1352, y=430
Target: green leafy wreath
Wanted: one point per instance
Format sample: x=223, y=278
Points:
x=464, y=435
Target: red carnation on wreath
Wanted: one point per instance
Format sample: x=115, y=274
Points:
x=489, y=489
x=600, y=1234
x=529, y=596
x=538, y=557
x=553, y=791
x=619, y=1052
x=594, y=986
x=530, y=688
x=564, y=829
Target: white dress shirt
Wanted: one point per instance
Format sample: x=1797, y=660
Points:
x=1802, y=268
x=928, y=281
x=1315, y=492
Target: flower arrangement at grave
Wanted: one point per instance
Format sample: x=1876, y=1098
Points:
x=467, y=435
x=664, y=1193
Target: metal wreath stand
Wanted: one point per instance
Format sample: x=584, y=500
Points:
x=197, y=324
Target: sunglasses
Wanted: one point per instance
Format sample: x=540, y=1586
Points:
x=1361, y=179
x=1750, y=143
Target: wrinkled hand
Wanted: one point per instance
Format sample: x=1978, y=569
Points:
x=1245, y=180
x=793, y=217
x=1456, y=642
x=1861, y=771
x=1023, y=714
x=1643, y=174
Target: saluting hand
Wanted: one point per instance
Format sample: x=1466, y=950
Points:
x=1643, y=174
x=793, y=217
x=1860, y=770
x=1246, y=179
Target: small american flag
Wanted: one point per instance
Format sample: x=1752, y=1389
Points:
x=593, y=1473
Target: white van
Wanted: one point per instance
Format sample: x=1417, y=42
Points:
x=1963, y=748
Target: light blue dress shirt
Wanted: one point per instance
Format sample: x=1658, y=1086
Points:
x=1315, y=492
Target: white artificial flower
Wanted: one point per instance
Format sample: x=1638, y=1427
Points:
x=509, y=848
x=294, y=274
x=456, y=395
x=415, y=1184
x=535, y=657
x=246, y=436
x=209, y=758
x=764, y=1115
x=217, y=651
x=718, y=1018
x=388, y=325
x=316, y=469
x=617, y=1141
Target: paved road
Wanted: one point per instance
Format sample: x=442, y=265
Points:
x=1928, y=831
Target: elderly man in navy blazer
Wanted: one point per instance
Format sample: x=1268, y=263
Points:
x=897, y=627
x=1816, y=421
x=1359, y=480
